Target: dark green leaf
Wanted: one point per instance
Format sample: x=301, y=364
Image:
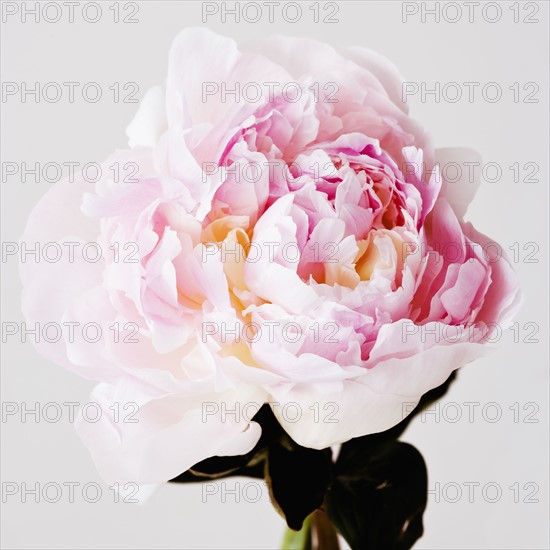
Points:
x=251, y=464
x=379, y=495
x=298, y=479
x=218, y=467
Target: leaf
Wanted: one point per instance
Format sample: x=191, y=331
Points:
x=219, y=467
x=251, y=464
x=298, y=479
x=379, y=494
x=380, y=491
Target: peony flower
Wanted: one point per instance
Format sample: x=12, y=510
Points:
x=299, y=249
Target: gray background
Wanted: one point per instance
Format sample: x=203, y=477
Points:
x=504, y=452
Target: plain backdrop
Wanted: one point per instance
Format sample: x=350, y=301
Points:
x=509, y=454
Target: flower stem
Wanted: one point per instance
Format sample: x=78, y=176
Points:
x=317, y=533
x=323, y=534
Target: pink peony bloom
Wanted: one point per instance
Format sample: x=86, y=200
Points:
x=288, y=250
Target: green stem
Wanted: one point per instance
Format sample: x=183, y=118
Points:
x=323, y=534
x=298, y=540
x=317, y=533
